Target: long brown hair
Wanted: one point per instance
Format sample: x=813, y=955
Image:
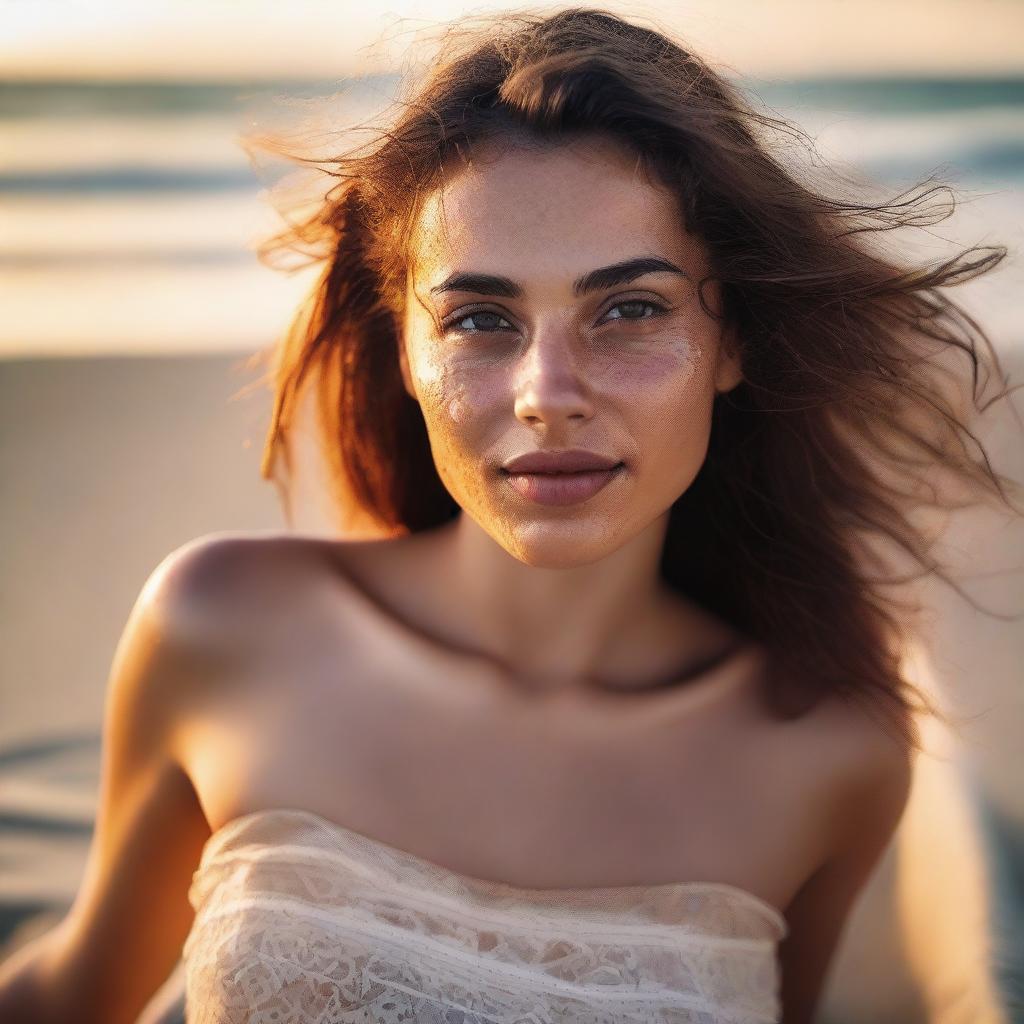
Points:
x=849, y=414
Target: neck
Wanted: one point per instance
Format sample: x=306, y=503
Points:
x=613, y=619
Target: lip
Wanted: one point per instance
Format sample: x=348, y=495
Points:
x=564, y=484
x=573, y=460
x=561, y=488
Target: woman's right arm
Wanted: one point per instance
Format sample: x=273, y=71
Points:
x=124, y=932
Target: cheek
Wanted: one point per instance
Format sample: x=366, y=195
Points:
x=460, y=408
x=667, y=399
x=667, y=381
x=456, y=400
x=460, y=414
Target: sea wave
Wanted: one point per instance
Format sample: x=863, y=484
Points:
x=131, y=211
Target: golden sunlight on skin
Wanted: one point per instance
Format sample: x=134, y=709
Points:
x=497, y=376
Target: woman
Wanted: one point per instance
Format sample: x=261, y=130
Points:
x=612, y=726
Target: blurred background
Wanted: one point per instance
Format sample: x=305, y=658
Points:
x=132, y=422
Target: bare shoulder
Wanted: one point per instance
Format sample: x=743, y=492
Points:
x=870, y=764
x=206, y=565
x=859, y=767
x=213, y=588
x=236, y=601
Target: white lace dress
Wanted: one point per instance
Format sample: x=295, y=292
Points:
x=302, y=921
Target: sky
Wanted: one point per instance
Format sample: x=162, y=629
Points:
x=270, y=38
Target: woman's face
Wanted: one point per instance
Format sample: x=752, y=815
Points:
x=556, y=356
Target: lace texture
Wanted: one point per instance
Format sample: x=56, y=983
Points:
x=300, y=920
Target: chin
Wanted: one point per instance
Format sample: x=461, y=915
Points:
x=553, y=545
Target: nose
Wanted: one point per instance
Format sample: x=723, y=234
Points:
x=551, y=385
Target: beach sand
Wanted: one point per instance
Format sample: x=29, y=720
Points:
x=108, y=464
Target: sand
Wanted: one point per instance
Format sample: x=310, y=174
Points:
x=108, y=464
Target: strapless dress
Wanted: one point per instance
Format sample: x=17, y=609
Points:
x=300, y=920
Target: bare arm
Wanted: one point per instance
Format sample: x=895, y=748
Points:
x=874, y=795
x=124, y=932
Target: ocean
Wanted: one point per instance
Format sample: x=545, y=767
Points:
x=129, y=212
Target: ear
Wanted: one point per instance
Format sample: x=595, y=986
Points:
x=729, y=370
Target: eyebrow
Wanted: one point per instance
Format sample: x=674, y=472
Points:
x=594, y=280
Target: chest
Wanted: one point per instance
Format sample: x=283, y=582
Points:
x=541, y=796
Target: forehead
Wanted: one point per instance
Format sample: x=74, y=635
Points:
x=533, y=212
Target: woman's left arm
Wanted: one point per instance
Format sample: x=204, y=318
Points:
x=874, y=795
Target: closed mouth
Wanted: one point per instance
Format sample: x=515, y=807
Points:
x=560, y=472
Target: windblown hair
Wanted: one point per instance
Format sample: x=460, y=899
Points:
x=849, y=413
